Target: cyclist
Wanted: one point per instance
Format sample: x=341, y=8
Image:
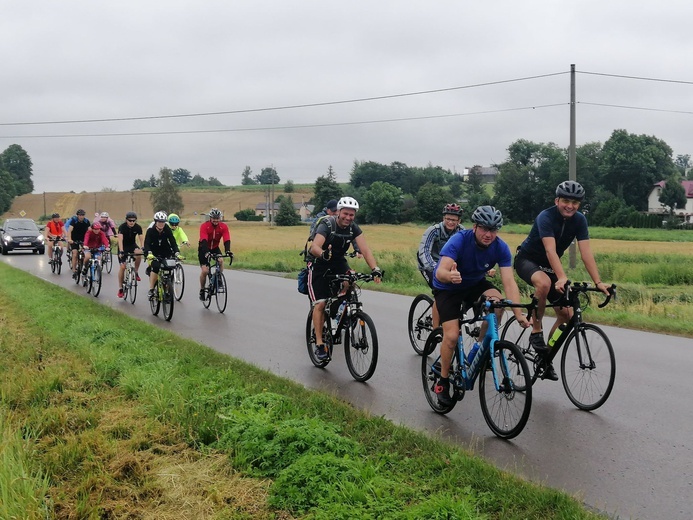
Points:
x=460, y=279
x=432, y=241
x=330, y=209
x=178, y=233
x=129, y=241
x=107, y=225
x=538, y=259
x=78, y=226
x=94, y=239
x=55, y=229
x=333, y=236
x=212, y=233
x=158, y=243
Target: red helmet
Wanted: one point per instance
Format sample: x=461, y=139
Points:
x=96, y=226
x=452, y=209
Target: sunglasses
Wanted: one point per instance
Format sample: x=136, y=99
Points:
x=172, y=224
x=132, y=220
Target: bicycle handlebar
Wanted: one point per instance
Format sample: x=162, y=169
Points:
x=584, y=287
x=350, y=277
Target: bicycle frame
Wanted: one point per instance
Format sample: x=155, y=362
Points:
x=351, y=304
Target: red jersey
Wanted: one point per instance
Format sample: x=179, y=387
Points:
x=214, y=234
x=94, y=241
x=56, y=229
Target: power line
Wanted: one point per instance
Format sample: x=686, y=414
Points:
x=636, y=77
x=636, y=108
x=285, y=107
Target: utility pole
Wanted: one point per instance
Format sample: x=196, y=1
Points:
x=572, y=161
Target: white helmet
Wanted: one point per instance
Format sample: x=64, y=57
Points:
x=105, y=214
x=347, y=202
x=160, y=216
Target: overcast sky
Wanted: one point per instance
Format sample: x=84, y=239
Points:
x=135, y=61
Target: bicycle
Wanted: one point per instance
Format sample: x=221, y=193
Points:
x=80, y=262
x=107, y=260
x=505, y=395
x=92, y=280
x=216, y=283
x=130, y=278
x=178, y=279
x=163, y=290
x=588, y=363
x=56, y=260
x=344, y=313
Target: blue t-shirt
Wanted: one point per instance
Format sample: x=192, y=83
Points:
x=550, y=223
x=472, y=260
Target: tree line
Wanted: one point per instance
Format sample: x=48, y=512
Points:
x=15, y=175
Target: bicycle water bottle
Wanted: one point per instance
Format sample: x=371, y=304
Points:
x=557, y=334
x=340, y=311
x=472, y=353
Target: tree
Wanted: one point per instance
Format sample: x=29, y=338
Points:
x=181, y=176
x=331, y=175
x=17, y=163
x=7, y=193
x=326, y=189
x=213, y=181
x=268, y=175
x=475, y=180
x=363, y=174
x=430, y=202
x=683, y=164
x=246, y=179
x=673, y=194
x=382, y=203
x=166, y=196
x=244, y=214
x=289, y=187
x=197, y=180
x=286, y=215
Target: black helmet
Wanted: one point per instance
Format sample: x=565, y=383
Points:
x=131, y=214
x=488, y=216
x=81, y=212
x=570, y=190
x=55, y=215
x=452, y=209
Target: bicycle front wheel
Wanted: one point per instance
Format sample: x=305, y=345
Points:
x=108, y=260
x=311, y=344
x=168, y=299
x=208, y=292
x=220, y=292
x=513, y=333
x=53, y=262
x=96, y=280
x=58, y=262
x=361, y=346
x=420, y=322
x=588, y=367
x=430, y=371
x=505, y=407
x=178, y=281
x=131, y=285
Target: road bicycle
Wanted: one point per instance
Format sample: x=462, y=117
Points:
x=505, y=390
x=344, y=317
x=420, y=324
x=178, y=279
x=216, y=283
x=92, y=280
x=56, y=260
x=80, y=262
x=163, y=290
x=588, y=363
x=130, y=278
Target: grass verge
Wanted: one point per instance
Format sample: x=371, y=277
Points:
x=119, y=419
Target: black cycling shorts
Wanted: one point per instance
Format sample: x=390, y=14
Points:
x=450, y=303
x=525, y=268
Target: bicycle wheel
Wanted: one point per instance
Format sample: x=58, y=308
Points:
x=208, y=292
x=588, y=367
x=506, y=409
x=310, y=341
x=513, y=333
x=89, y=277
x=52, y=261
x=430, y=370
x=58, y=262
x=96, y=280
x=178, y=281
x=154, y=301
x=131, y=284
x=420, y=321
x=168, y=299
x=361, y=346
x=78, y=274
x=220, y=292
x=108, y=260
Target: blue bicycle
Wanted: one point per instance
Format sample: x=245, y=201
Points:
x=505, y=383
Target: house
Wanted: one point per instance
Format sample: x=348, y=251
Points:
x=654, y=206
x=488, y=174
x=304, y=210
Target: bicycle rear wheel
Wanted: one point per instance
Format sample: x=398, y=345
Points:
x=220, y=292
x=58, y=262
x=52, y=262
x=430, y=370
x=506, y=408
x=588, y=367
x=78, y=274
x=178, y=281
x=96, y=280
x=310, y=341
x=168, y=299
x=361, y=346
x=154, y=301
x=513, y=333
x=420, y=322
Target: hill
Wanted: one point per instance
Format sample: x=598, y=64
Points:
x=117, y=203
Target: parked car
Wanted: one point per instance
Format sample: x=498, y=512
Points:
x=21, y=234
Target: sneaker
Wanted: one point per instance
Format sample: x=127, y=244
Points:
x=549, y=373
x=137, y=277
x=322, y=353
x=120, y=293
x=150, y=294
x=202, y=295
x=74, y=275
x=442, y=390
x=536, y=341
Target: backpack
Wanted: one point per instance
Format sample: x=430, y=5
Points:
x=303, y=281
x=307, y=257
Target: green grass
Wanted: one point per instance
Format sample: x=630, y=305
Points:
x=122, y=419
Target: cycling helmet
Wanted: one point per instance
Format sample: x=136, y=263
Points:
x=570, y=190
x=96, y=226
x=131, y=214
x=488, y=216
x=81, y=212
x=160, y=216
x=55, y=215
x=214, y=213
x=173, y=219
x=347, y=202
x=105, y=214
x=452, y=209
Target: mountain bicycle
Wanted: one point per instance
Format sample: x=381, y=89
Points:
x=163, y=290
x=344, y=316
x=505, y=390
x=588, y=363
x=56, y=260
x=130, y=278
x=80, y=262
x=216, y=283
x=420, y=324
x=92, y=280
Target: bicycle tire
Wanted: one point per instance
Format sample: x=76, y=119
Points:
x=361, y=346
x=89, y=277
x=420, y=322
x=513, y=333
x=96, y=280
x=310, y=341
x=208, y=292
x=220, y=293
x=168, y=298
x=155, y=302
x=131, y=285
x=506, y=409
x=588, y=386
x=430, y=374
x=109, y=260
x=52, y=262
x=58, y=261
x=178, y=281
x=80, y=266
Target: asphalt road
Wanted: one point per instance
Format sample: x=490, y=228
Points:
x=632, y=458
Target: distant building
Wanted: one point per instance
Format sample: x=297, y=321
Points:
x=304, y=210
x=654, y=206
x=488, y=174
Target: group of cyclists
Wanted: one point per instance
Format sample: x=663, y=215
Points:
x=160, y=241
